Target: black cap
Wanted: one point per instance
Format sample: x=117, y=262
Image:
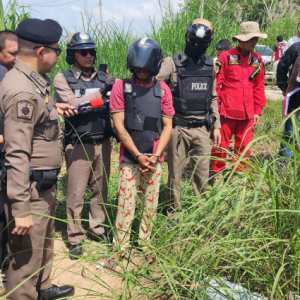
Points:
x=39, y=31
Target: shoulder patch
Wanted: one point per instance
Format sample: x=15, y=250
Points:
x=218, y=65
x=255, y=62
x=234, y=60
x=23, y=111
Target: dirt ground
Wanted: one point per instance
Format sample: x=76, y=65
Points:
x=89, y=281
x=273, y=94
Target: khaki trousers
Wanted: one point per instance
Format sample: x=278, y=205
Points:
x=136, y=186
x=195, y=144
x=32, y=254
x=87, y=164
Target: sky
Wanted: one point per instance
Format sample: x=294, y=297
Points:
x=124, y=13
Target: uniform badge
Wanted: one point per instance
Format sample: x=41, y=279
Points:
x=128, y=88
x=24, y=110
x=234, y=60
x=47, y=99
x=218, y=65
x=255, y=62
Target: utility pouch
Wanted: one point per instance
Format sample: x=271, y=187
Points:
x=45, y=180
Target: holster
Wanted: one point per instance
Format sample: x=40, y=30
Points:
x=45, y=180
x=210, y=121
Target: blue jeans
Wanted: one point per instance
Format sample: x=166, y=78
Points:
x=284, y=150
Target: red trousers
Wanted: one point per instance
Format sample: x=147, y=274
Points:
x=243, y=132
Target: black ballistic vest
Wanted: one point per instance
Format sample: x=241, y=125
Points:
x=90, y=126
x=143, y=119
x=193, y=93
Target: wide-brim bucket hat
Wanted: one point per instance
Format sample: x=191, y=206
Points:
x=249, y=30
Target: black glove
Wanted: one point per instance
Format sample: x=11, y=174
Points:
x=107, y=86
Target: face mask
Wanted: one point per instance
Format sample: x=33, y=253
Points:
x=194, y=52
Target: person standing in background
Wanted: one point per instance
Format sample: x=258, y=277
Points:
x=8, y=57
x=87, y=162
x=277, y=53
x=241, y=93
x=191, y=78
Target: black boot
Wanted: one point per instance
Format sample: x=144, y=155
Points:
x=101, y=238
x=55, y=292
x=75, y=251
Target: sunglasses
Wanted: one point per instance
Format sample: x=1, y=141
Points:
x=57, y=50
x=84, y=52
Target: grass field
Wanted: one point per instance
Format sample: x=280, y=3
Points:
x=245, y=231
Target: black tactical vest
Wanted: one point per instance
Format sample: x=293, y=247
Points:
x=193, y=93
x=143, y=119
x=94, y=125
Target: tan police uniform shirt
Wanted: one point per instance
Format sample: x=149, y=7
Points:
x=168, y=74
x=33, y=137
x=63, y=92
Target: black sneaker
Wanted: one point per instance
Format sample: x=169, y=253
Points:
x=75, y=251
x=55, y=292
x=101, y=238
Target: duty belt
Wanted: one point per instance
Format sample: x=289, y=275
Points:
x=188, y=123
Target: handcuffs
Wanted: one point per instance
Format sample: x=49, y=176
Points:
x=147, y=154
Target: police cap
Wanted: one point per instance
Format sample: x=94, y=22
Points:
x=39, y=31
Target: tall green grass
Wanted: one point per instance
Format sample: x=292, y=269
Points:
x=246, y=231
x=12, y=15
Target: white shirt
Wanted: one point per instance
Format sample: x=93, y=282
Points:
x=291, y=41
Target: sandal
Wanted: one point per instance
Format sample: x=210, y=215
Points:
x=111, y=263
x=149, y=257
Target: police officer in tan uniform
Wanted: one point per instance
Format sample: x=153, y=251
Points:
x=33, y=146
x=87, y=159
x=191, y=78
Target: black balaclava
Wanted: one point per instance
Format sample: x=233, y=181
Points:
x=193, y=51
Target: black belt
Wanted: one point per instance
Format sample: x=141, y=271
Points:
x=188, y=123
x=45, y=179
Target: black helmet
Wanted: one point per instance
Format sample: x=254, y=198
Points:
x=200, y=30
x=78, y=40
x=145, y=53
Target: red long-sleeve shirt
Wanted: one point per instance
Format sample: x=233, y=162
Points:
x=239, y=97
